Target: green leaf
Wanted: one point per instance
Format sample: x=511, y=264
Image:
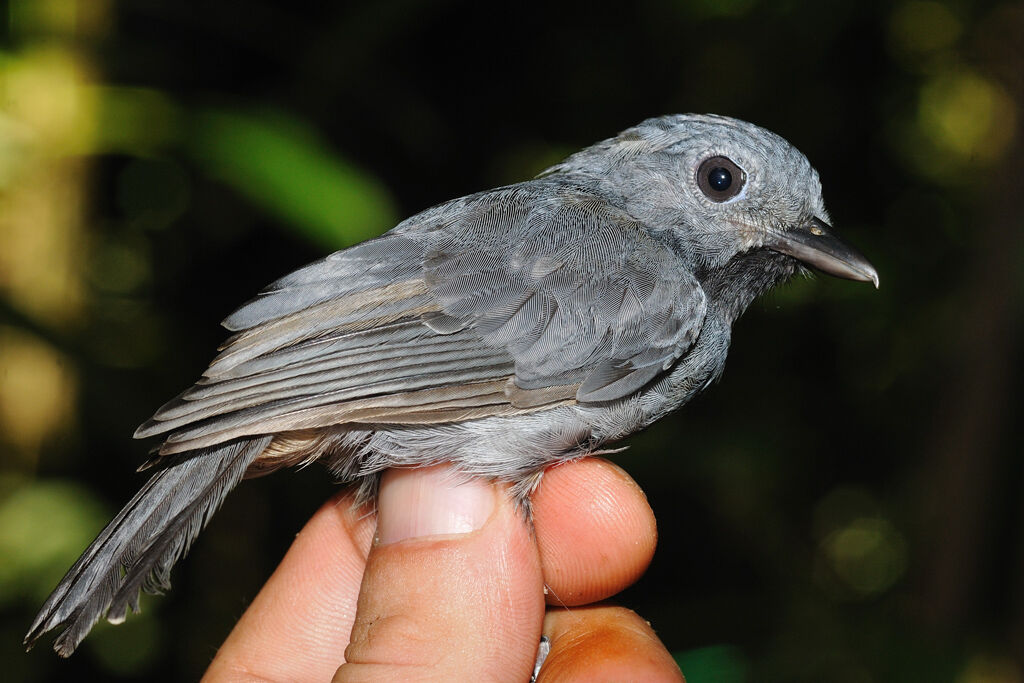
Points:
x=279, y=163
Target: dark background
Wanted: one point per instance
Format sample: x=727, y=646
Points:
x=845, y=505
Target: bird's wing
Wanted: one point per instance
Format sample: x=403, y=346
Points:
x=574, y=288
x=495, y=304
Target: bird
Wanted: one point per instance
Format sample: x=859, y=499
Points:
x=501, y=332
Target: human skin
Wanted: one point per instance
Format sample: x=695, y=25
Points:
x=455, y=585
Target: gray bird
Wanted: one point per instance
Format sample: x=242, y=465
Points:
x=501, y=332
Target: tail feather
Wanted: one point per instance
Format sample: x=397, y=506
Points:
x=138, y=548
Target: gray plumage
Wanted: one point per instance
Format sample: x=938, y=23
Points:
x=144, y=540
x=501, y=332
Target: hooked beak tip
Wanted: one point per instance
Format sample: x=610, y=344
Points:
x=817, y=246
x=868, y=274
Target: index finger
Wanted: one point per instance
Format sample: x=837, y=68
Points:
x=298, y=626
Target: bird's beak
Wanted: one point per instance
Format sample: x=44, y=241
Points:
x=815, y=244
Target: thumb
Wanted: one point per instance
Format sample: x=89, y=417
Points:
x=453, y=587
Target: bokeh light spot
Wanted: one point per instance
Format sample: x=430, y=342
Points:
x=43, y=527
x=868, y=554
x=45, y=89
x=921, y=27
x=967, y=115
x=119, y=266
x=988, y=669
x=37, y=389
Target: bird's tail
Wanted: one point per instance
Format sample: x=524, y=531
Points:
x=138, y=548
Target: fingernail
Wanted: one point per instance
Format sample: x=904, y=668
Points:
x=430, y=501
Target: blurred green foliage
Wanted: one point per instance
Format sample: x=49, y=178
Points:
x=42, y=526
x=278, y=163
x=717, y=663
x=845, y=505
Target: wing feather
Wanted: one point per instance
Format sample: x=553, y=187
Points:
x=397, y=372
x=504, y=302
x=577, y=290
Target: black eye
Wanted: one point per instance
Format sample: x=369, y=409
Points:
x=720, y=179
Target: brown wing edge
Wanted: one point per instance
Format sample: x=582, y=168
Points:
x=440, y=405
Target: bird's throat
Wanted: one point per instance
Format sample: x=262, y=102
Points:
x=733, y=287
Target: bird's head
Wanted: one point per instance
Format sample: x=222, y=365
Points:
x=723, y=192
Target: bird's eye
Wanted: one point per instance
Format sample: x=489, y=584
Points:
x=720, y=179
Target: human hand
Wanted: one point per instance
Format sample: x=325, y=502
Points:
x=454, y=588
